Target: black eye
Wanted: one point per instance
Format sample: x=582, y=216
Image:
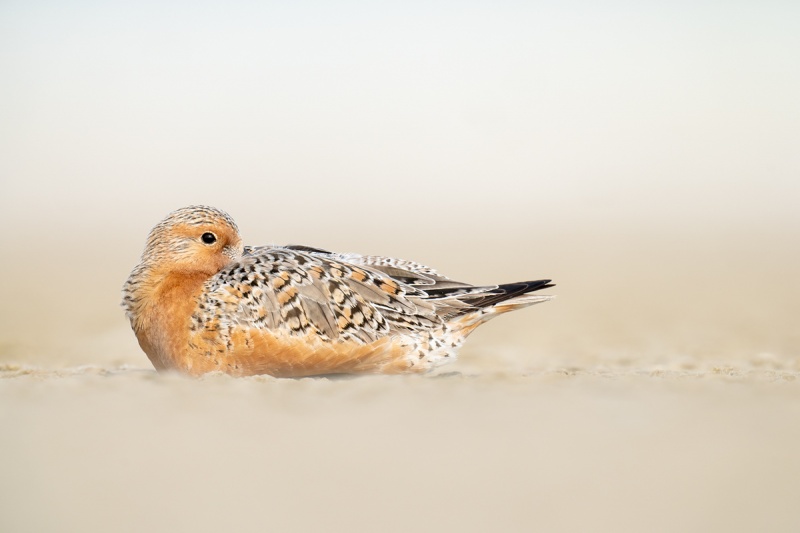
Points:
x=208, y=238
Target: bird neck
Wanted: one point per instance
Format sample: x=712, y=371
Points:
x=160, y=305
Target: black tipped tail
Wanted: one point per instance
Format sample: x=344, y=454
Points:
x=507, y=291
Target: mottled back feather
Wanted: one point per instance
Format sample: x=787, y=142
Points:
x=300, y=289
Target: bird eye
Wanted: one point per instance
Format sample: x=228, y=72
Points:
x=208, y=238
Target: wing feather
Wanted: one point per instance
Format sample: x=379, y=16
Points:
x=300, y=290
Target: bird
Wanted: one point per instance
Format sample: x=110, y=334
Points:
x=200, y=301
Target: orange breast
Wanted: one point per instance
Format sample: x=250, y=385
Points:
x=254, y=351
x=166, y=337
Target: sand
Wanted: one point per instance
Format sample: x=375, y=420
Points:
x=592, y=449
x=659, y=392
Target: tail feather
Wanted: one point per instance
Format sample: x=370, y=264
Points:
x=519, y=303
x=474, y=310
x=507, y=291
x=472, y=304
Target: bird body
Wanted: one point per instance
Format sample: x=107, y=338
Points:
x=200, y=302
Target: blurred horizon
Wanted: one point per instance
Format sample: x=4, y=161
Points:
x=644, y=156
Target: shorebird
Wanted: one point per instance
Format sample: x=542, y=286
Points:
x=201, y=302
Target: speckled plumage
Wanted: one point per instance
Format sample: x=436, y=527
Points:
x=198, y=306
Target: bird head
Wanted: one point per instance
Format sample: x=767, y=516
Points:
x=193, y=240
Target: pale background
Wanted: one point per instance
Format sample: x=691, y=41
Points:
x=643, y=155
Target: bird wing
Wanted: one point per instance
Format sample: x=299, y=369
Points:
x=301, y=291
x=452, y=298
x=376, y=295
